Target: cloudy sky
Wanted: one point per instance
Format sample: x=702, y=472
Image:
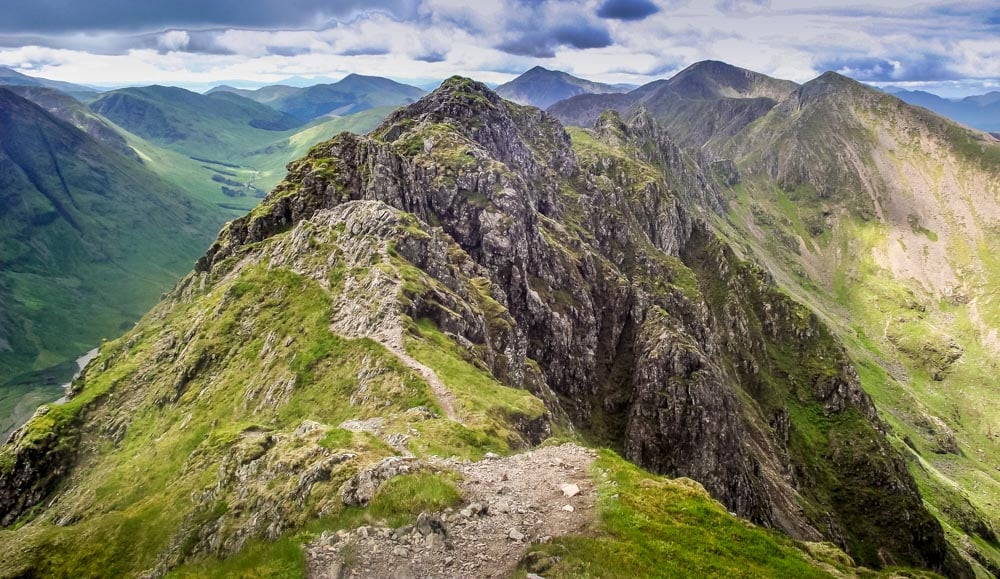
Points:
x=951, y=48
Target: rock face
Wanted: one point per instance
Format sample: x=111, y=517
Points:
x=654, y=336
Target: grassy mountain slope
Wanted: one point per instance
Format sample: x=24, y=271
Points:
x=221, y=147
x=90, y=239
x=253, y=168
x=541, y=87
x=352, y=94
x=884, y=218
x=465, y=286
x=67, y=108
x=207, y=145
x=208, y=126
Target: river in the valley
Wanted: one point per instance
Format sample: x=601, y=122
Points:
x=18, y=402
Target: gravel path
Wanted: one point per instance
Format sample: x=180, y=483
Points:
x=509, y=503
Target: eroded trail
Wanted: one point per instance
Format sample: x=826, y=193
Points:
x=369, y=306
x=444, y=395
x=508, y=503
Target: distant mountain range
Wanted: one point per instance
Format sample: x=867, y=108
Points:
x=352, y=94
x=10, y=77
x=978, y=111
x=542, y=87
x=726, y=98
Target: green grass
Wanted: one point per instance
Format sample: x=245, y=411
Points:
x=650, y=526
x=281, y=559
x=400, y=499
x=483, y=403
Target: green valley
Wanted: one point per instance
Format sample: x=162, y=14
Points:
x=90, y=239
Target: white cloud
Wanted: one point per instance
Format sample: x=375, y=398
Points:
x=784, y=38
x=173, y=40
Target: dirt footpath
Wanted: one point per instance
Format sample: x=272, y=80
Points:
x=508, y=504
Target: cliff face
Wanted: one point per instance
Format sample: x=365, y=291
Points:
x=578, y=267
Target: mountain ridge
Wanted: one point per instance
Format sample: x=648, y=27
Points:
x=471, y=275
x=728, y=96
x=9, y=76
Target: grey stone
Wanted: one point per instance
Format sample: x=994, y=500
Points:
x=434, y=541
x=569, y=490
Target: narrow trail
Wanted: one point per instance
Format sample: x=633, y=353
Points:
x=446, y=400
x=369, y=308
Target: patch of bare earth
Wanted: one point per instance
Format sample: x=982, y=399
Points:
x=508, y=503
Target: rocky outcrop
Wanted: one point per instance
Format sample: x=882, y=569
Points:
x=32, y=463
x=360, y=489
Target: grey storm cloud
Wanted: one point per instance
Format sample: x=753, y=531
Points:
x=627, y=9
x=912, y=67
x=542, y=43
x=63, y=16
x=432, y=56
x=373, y=50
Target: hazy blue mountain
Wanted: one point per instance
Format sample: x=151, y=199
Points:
x=978, y=111
x=264, y=95
x=355, y=93
x=541, y=87
x=10, y=77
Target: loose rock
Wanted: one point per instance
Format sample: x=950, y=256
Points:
x=570, y=490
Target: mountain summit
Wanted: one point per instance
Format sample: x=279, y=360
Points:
x=542, y=87
x=723, y=98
